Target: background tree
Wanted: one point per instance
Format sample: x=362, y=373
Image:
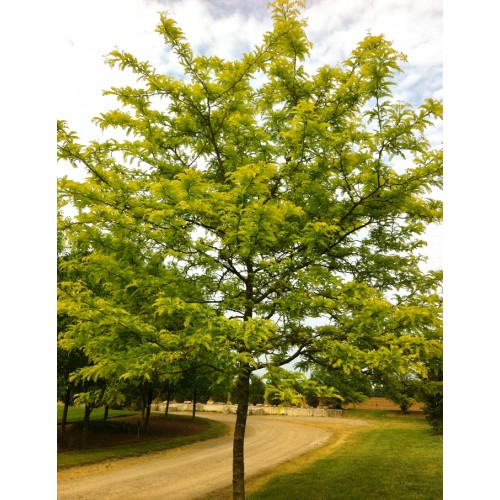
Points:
x=68, y=361
x=430, y=389
x=90, y=396
x=257, y=390
x=195, y=385
x=168, y=393
x=67, y=364
x=273, y=193
x=401, y=388
x=431, y=393
x=353, y=387
x=284, y=388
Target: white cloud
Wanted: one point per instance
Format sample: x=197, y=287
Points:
x=414, y=28
x=89, y=30
x=225, y=29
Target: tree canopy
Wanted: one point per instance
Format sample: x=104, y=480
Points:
x=253, y=216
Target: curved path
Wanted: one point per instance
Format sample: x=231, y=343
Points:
x=195, y=470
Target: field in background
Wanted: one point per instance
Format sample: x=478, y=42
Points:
x=381, y=404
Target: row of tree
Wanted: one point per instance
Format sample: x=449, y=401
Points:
x=326, y=388
x=251, y=218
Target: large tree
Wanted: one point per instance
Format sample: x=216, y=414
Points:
x=266, y=202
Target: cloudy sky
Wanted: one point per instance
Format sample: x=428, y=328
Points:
x=90, y=30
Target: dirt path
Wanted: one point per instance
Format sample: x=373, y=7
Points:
x=195, y=470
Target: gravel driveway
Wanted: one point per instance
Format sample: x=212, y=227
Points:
x=195, y=470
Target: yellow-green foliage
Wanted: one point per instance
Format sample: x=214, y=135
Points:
x=253, y=215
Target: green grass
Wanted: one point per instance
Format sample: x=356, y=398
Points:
x=92, y=456
x=386, y=415
x=395, y=458
x=75, y=414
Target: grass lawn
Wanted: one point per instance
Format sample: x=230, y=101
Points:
x=394, y=457
x=75, y=414
x=165, y=433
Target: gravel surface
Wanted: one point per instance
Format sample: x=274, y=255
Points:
x=195, y=470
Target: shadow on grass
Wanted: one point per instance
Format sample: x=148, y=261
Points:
x=119, y=438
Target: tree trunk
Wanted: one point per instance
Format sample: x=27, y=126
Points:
x=67, y=401
x=106, y=410
x=143, y=405
x=149, y=400
x=169, y=395
x=195, y=395
x=243, y=396
x=85, y=429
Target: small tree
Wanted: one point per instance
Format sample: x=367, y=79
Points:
x=257, y=390
x=194, y=385
x=90, y=397
x=401, y=388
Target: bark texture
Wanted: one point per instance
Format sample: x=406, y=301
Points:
x=239, y=435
